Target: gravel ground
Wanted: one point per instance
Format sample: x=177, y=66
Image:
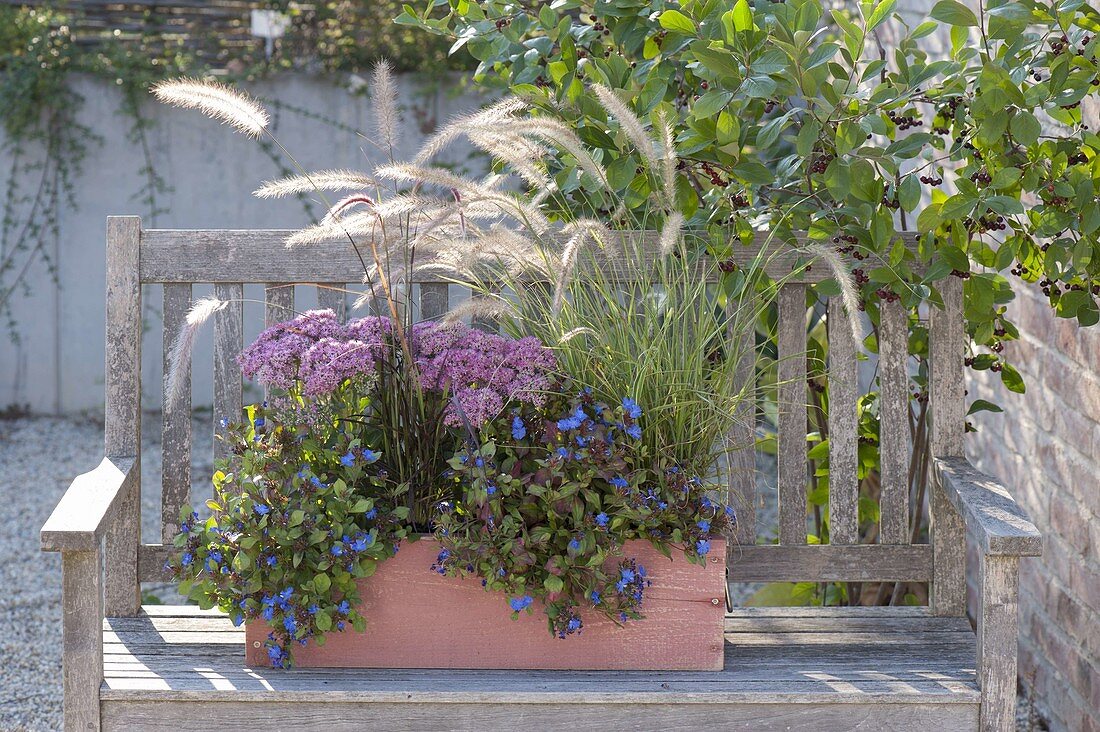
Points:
x=39, y=457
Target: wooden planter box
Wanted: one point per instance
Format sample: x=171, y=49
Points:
x=419, y=619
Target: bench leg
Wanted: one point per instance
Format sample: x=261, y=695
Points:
x=997, y=642
x=82, y=639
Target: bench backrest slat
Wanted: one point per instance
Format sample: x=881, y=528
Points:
x=843, y=446
x=231, y=259
x=894, y=452
x=791, y=402
x=333, y=296
x=228, y=341
x=175, y=445
x=741, y=457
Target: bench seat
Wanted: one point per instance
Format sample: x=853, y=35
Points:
x=175, y=667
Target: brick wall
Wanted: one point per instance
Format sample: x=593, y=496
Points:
x=1046, y=448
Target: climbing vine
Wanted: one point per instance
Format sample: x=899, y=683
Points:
x=42, y=49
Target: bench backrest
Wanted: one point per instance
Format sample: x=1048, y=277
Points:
x=229, y=259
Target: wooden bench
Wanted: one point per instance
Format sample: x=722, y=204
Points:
x=130, y=667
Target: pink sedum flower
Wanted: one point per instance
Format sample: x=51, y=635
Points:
x=484, y=372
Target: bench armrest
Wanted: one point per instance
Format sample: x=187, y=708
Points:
x=88, y=506
x=987, y=509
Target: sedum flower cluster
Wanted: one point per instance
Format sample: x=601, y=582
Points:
x=313, y=355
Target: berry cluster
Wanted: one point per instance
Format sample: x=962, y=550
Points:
x=904, y=122
x=821, y=162
x=931, y=180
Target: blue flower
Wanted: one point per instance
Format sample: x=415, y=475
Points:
x=340, y=625
x=371, y=513
x=277, y=655
x=224, y=422
x=620, y=586
x=574, y=544
x=702, y=546
x=573, y=421
x=731, y=513
x=348, y=459
x=491, y=489
x=520, y=603
x=337, y=550
x=262, y=509
x=290, y=624
x=316, y=481
x=620, y=482
x=574, y=624
x=259, y=422
x=631, y=408
x=361, y=543
x=271, y=561
x=703, y=525
x=634, y=431
x=519, y=430
x=238, y=620
x=187, y=559
x=601, y=520
x=369, y=456
x=595, y=597
x=443, y=556
x=343, y=608
x=313, y=609
x=286, y=594
x=627, y=575
x=563, y=452
x=479, y=462
x=269, y=612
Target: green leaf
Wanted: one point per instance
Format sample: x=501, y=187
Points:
x=711, y=103
x=909, y=192
x=1025, y=128
x=742, y=16
x=880, y=13
x=677, y=22
x=321, y=582
x=954, y=13
x=820, y=55
x=728, y=128
x=553, y=583
x=981, y=405
x=1012, y=380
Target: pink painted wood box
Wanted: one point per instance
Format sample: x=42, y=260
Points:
x=419, y=619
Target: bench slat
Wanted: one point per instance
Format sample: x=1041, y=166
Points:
x=947, y=401
x=893, y=348
x=741, y=459
x=434, y=300
x=792, y=414
x=261, y=255
x=830, y=563
x=228, y=337
x=842, y=420
x=278, y=302
x=175, y=445
x=332, y=296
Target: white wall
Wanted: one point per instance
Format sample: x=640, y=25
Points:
x=58, y=365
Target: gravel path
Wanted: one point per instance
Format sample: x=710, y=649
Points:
x=39, y=457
